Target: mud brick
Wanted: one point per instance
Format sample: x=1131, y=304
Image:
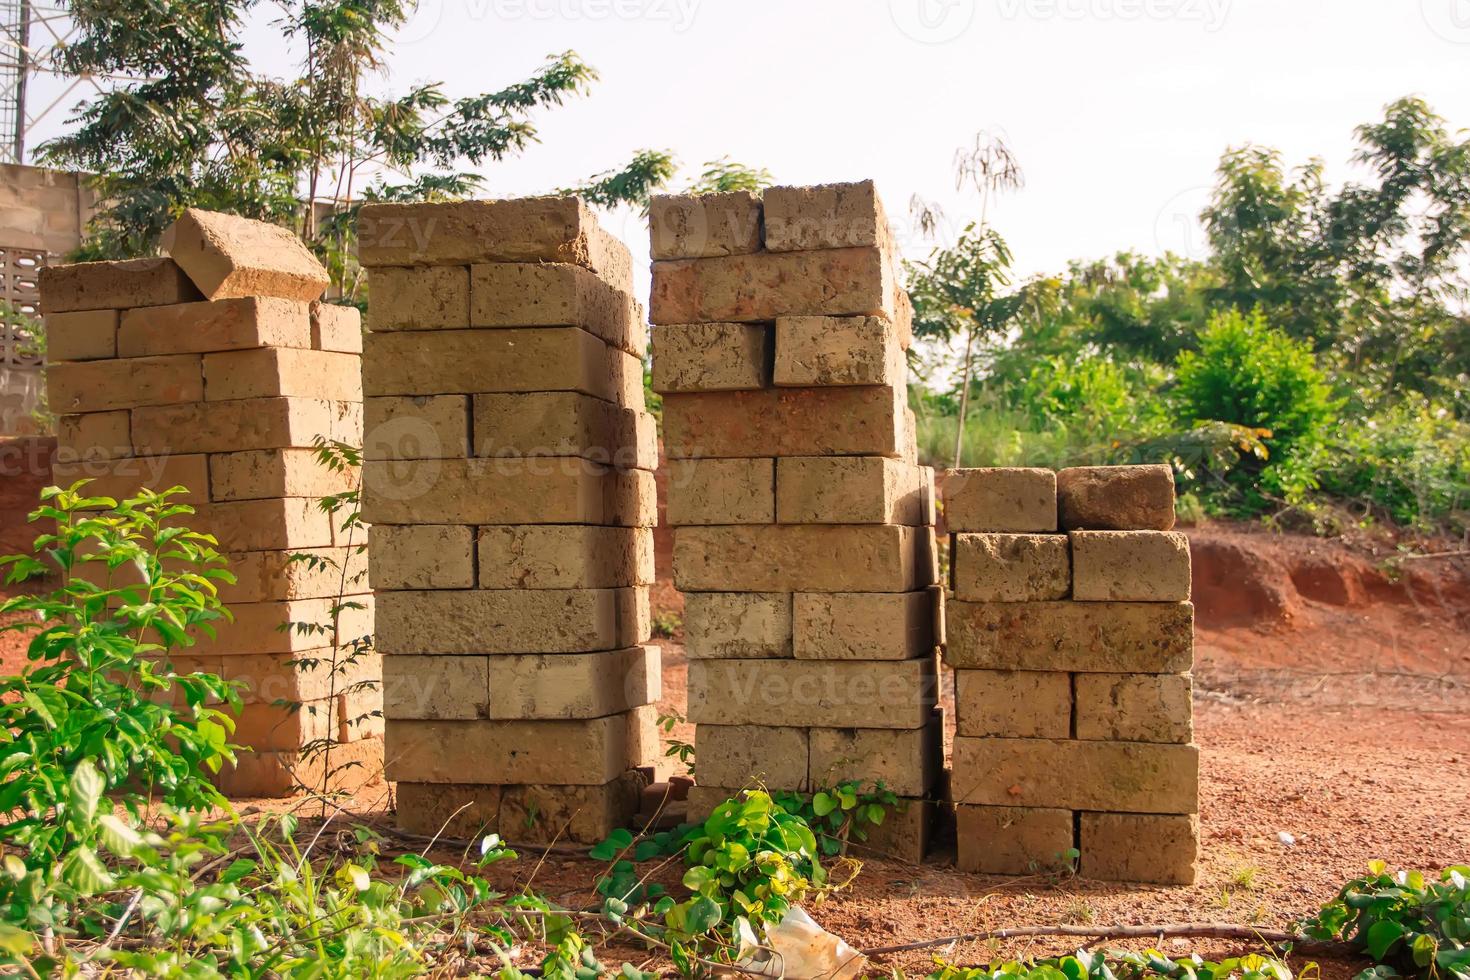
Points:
x=1118, y=777
x=429, y=427
x=752, y=288
x=737, y=625
x=455, y=811
x=96, y=435
x=711, y=357
x=697, y=226
x=228, y=256
x=721, y=491
x=260, y=627
x=752, y=755
x=514, y=294
x=1142, y=566
x=573, y=753
x=421, y=557
x=850, y=490
x=268, y=678
x=531, y=229
x=865, y=421
x=354, y=765
x=261, y=473
x=271, y=372
x=83, y=335
x=101, y=386
x=453, y=362
x=113, y=285
x=419, y=298
x=799, y=558
x=863, y=625
x=1013, y=840
x=437, y=688
x=1149, y=848
x=270, y=727
x=336, y=328
x=1013, y=703
x=906, y=762
x=531, y=814
x=255, y=423
x=505, y=491
x=826, y=350
x=512, y=621
x=564, y=423
x=224, y=325
x=1012, y=499
x=1113, y=637
x=565, y=557
x=896, y=694
x=824, y=216
x=1116, y=498
x=1135, y=707
x=122, y=478
x=265, y=525
x=1011, y=567
x=261, y=576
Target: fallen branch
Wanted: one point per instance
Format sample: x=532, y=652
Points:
x=1200, y=930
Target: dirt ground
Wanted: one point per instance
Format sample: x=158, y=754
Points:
x=1332, y=689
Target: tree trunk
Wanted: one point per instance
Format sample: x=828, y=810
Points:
x=959, y=435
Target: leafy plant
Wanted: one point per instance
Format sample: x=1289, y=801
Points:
x=1404, y=921
x=676, y=748
x=843, y=813
x=667, y=623
x=1148, y=965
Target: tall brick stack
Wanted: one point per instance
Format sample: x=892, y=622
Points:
x=1072, y=637
x=508, y=475
x=804, y=539
x=216, y=369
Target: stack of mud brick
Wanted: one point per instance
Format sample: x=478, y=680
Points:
x=1072, y=636
x=803, y=537
x=217, y=370
x=509, y=484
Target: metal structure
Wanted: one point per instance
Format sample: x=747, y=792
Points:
x=15, y=67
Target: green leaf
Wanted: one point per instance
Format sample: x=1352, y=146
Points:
x=823, y=804
x=617, y=842
x=85, y=872
x=703, y=915
x=87, y=785
x=1381, y=937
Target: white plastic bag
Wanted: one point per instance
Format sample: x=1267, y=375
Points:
x=796, y=948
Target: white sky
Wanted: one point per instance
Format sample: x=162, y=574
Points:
x=1117, y=109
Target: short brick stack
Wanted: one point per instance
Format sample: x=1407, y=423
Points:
x=804, y=540
x=509, y=484
x=216, y=370
x=1072, y=638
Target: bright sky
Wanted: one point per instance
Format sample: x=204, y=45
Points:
x=1117, y=109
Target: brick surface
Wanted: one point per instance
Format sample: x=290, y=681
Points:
x=267, y=575
x=863, y=625
x=354, y=765
x=824, y=216
x=711, y=357
x=113, y=285
x=265, y=525
x=505, y=491
x=95, y=435
x=261, y=473
x=1011, y=567
x=560, y=423
x=1113, y=637
x=421, y=557
x=1113, y=850
x=866, y=421
x=1145, y=566
x=83, y=335
x=696, y=226
x=1012, y=840
x=515, y=294
x=223, y=325
x=122, y=478
x=430, y=427
x=1120, y=777
x=564, y=557
x=821, y=350
x=260, y=627
x=336, y=328
x=533, y=814
x=737, y=625
x=906, y=761
x=307, y=675
x=256, y=423
x=851, y=490
x=1013, y=499
x=1135, y=707
x=746, y=755
x=800, y=558
x=271, y=372
x=721, y=491
x=419, y=298
x=1116, y=498
x=752, y=288
x=101, y=386
x=512, y=621
x=896, y=694
x=574, y=753
x=227, y=256
x=1013, y=704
